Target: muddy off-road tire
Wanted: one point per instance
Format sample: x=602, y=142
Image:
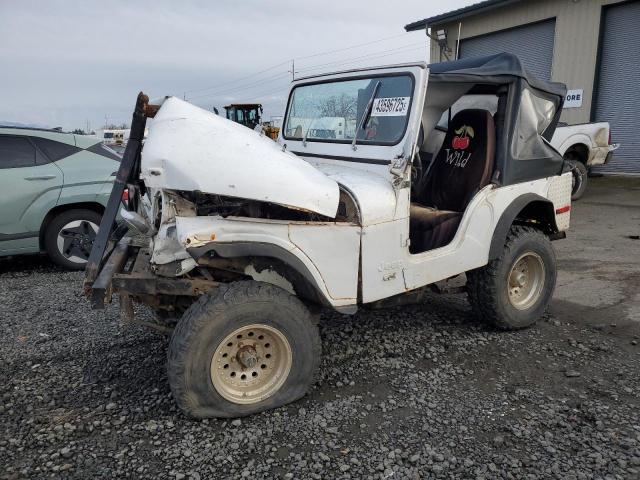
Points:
x=513, y=291
x=580, y=175
x=246, y=348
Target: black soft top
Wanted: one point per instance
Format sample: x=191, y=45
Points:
x=499, y=65
x=523, y=151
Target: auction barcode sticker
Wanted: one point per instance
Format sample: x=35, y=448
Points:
x=390, y=107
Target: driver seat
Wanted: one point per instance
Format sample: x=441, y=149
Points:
x=461, y=168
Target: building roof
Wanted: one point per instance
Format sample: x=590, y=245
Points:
x=458, y=14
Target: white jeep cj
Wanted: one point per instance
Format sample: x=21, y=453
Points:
x=384, y=182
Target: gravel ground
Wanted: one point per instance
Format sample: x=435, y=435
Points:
x=418, y=392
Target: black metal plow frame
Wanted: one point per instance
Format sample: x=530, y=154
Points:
x=127, y=271
x=128, y=173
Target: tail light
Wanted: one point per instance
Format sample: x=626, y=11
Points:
x=125, y=197
x=610, y=143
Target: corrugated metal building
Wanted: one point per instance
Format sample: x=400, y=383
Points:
x=593, y=46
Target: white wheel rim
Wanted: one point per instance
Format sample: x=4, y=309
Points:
x=74, y=240
x=526, y=280
x=251, y=364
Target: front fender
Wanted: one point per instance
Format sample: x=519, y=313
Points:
x=235, y=237
x=305, y=277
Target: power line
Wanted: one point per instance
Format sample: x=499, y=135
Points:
x=347, y=61
x=288, y=62
x=381, y=54
x=351, y=62
x=401, y=49
x=267, y=94
x=253, y=75
x=350, y=48
x=242, y=87
x=264, y=93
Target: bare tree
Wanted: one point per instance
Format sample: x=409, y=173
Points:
x=338, y=106
x=113, y=126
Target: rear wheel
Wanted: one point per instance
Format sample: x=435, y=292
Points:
x=513, y=291
x=69, y=237
x=247, y=348
x=580, y=175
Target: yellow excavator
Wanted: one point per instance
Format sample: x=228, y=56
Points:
x=250, y=115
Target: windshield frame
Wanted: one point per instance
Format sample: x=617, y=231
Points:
x=360, y=142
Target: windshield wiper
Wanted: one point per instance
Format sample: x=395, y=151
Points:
x=365, y=114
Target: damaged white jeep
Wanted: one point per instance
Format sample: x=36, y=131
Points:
x=364, y=200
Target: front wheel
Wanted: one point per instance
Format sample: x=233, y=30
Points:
x=513, y=291
x=247, y=348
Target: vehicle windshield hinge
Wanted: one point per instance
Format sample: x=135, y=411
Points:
x=399, y=165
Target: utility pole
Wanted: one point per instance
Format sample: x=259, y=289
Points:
x=293, y=70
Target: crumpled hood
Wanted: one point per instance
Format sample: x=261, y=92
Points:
x=191, y=149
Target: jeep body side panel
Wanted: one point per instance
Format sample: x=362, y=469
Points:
x=330, y=252
x=191, y=149
x=559, y=193
x=389, y=269
x=334, y=250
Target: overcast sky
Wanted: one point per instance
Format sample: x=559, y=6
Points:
x=66, y=62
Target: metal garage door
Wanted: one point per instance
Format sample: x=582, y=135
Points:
x=532, y=43
x=618, y=94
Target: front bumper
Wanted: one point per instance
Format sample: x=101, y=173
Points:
x=127, y=271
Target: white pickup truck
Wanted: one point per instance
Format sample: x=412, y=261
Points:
x=584, y=145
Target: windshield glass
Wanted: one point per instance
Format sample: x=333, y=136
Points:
x=331, y=111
